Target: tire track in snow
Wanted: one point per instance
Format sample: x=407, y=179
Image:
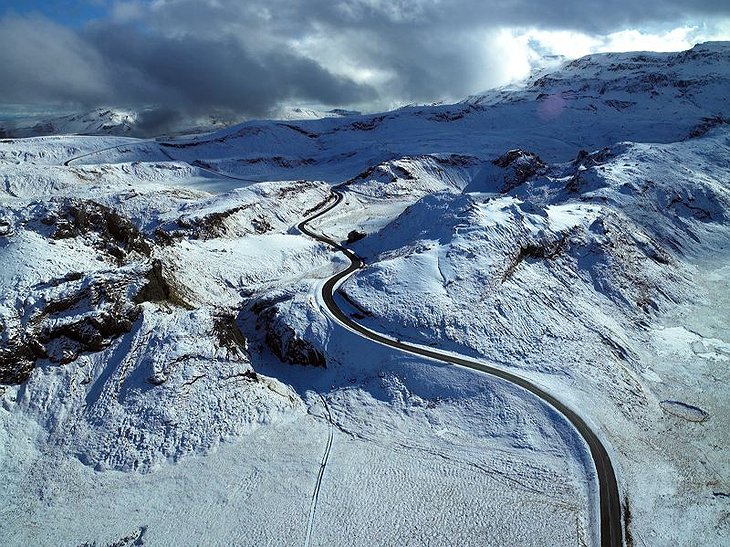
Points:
x=320, y=474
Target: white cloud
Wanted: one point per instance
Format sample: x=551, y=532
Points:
x=572, y=44
x=677, y=39
x=126, y=11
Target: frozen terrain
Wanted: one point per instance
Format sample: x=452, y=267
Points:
x=110, y=121
x=169, y=373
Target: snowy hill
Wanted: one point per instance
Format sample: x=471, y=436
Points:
x=304, y=113
x=589, y=103
x=102, y=121
x=106, y=121
x=169, y=373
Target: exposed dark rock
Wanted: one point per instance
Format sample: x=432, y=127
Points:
x=6, y=229
x=457, y=160
x=547, y=250
x=620, y=105
x=299, y=130
x=213, y=225
x=296, y=188
x=354, y=236
x=17, y=359
x=134, y=539
x=166, y=239
x=159, y=289
x=261, y=225
x=283, y=340
x=707, y=124
x=589, y=159
x=519, y=166
x=585, y=160
x=229, y=335
x=62, y=329
x=449, y=115
x=280, y=161
x=210, y=226
x=368, y=124
x=319, y=205
x=117, y=235
x=202, y=164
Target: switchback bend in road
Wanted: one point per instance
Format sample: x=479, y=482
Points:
x=611, y=531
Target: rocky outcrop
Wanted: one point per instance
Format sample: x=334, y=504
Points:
x=354, y=236
x=66, y=318
x=110, y=232
x=284, y=339
x=548, y=249
x=584, y=161
x=707, y=124
x=519, y=166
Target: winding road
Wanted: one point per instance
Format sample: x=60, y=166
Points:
x=611, y=523
x=67, y=163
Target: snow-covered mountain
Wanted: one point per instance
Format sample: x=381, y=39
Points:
x=591, y=102
x=118, y=122
x=106, y=121
x=306, y=113
x=156, y=300
x=101, y=121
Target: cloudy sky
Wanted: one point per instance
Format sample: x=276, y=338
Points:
x=246, y=58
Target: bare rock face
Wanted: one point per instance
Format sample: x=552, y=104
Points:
x=65, y=318
x=354, y=236
x=62, y=318
x=111, y=232
x=283, y=339
x=584, y=161
x=707, y=124
x=519, y=166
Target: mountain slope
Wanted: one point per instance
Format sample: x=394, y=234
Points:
x=156, y=300
x=590, y=103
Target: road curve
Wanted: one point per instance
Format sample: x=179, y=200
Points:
x=611, y=532
x=67, y=163
x=161, y=146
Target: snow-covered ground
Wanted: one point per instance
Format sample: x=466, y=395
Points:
x=105, y=121
x=576, y=278
x=147, y=305
x=98, y=423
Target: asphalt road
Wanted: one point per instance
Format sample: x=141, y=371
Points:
x=611, y=532
x=67, y=163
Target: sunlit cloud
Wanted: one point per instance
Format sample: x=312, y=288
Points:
x=573, y=44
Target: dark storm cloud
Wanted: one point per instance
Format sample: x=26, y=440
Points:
x=44, y=62
x=158, y=120
x=197, y=74
x=198, y=56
